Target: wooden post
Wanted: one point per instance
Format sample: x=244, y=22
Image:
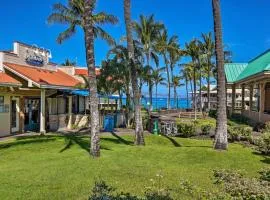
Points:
x=251, y=97
x=233, y=98
x=262, y=97
x=243, y=98
x=42, y=111
x=69, y=126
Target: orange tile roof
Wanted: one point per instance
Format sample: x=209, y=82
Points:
x=8, y=80
x=44, y=76
x=84, y=72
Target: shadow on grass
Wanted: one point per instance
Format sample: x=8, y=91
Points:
x=72, y=139
x=266, y=158
x=23, y=140
x=173, y=141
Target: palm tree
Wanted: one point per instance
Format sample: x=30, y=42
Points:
x=164, y=46
x=72, y=14
x=221, y=140
x=185, y=74
x=139, y=138
x=208, y=49
x=79, y=13
x=192, y=50
x=158, y=79
x=147, y=30
x=69, y=63
x=176, y=83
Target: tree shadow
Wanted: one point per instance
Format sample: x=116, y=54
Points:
x=71, y=139
x=23, y=140
x=173, y=141
x=121, y=140
x=266, y=158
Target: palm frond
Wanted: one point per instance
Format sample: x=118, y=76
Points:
x=103, y=18
x=100, y=33
x=66, y=34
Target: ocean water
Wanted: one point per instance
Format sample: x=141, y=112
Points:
x=159, y=103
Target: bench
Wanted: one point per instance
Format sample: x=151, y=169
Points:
x=191, y=115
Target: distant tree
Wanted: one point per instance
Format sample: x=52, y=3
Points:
x=158, y=79
x=176, y=83
x=69, y=63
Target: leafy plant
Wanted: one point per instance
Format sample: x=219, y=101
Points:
x=206, y=128
x=265, y=174
x=267, y=127
x=186, y=129
x=237, y=133
x=263, y=143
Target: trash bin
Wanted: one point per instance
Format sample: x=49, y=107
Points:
x=108, y=124
x=155, y=127
x=154, y=124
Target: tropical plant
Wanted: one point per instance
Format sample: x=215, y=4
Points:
x=80, y=13
x=139, y=138
x=166, y=44
x=208, y=49
x=147, y=30
x=158, y=79
x=192, y=49
x=221, y=140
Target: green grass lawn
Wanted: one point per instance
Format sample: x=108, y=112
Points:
x=58, y=167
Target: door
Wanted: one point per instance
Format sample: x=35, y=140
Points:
x=15, y=109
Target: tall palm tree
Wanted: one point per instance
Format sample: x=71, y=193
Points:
x=221, y=141
x=184, y=74
x=208, y=49
x=72, y=15
x=147, y=30
x=158, y=79
x=164, y=45
x=80, y=13
x=139, y=138
x=192, y=50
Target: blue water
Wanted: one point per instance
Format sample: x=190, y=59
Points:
x=162, y=103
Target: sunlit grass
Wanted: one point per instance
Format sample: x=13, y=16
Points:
x=58, y=167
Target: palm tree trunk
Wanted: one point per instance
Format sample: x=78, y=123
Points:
x=192, y=91
x=174, y=100
x=221, y=141
x=156, y=96
x=169, y=83
x=90, y=59
x=187, y=92
x=139, y=138
x=200, y=90
x=208, y=83
x=174, y=96
x=150, y=85
x=195, y=94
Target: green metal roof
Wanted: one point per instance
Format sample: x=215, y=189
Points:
x=259, y=64
x=233, y=71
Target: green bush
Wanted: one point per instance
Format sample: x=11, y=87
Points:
x=263, y=143
x=266, y=127
x=206, y=128
x=265, y=174
x=186, y=129
x=213, y=113
x=238, y=133
x=240, y=187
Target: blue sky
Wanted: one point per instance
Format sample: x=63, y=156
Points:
x=246, y=25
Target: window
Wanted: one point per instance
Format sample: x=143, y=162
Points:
x=52, y=106
x=2, y=105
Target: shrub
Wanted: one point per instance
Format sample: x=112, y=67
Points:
x=237, y=133
x=240, y=187
x=213, y=113
x=186, y=129
x=267, y=127
x=206, y=128
x=263, y=143
x=265, y=174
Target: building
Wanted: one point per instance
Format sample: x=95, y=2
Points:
x=32, y=91
x=255, y=77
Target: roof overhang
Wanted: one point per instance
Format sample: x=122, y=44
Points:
x=254, y=78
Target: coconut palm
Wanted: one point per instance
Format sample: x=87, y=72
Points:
x=184, y=74
x=72, y=14
x=221, y=141
x=166, y=44
x=208, y=49
x=192, y=50
x=158, y=79
x=147, y=30
x=68, y=63
x=139, y=138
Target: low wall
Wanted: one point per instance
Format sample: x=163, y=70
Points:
x=256, y=116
